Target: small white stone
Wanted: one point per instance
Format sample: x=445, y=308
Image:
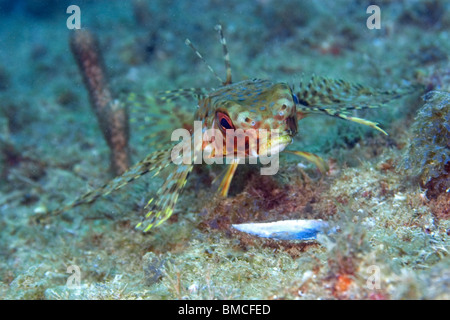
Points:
x=193, y=288
x=40, y=209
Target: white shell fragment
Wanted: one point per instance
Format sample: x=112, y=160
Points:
x=285, y=229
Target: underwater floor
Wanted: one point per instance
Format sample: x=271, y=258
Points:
x=386, y=196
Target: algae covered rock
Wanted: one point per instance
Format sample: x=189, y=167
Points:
x=428, y=155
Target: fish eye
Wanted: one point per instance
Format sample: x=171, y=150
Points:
x=224, y=121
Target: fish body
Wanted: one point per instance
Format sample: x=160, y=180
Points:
x=252, y=107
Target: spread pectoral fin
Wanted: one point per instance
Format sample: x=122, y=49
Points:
x=154, y=162
x=160, y=210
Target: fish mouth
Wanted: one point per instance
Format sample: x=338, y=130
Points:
x=266, y=145
x=274, y=145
